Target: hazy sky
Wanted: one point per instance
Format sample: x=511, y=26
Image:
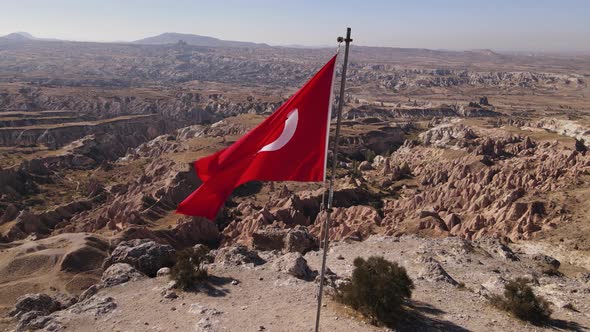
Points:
x=527, y=25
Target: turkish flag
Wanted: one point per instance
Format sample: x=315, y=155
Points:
x=290, y=145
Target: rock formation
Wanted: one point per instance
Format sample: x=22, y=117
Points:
x=145, y=255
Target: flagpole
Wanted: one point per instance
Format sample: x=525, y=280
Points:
x=331, y=187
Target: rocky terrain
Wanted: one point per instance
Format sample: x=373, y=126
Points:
x=467, y=168
x=274, y=290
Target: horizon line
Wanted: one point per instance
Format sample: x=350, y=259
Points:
x=504, y=51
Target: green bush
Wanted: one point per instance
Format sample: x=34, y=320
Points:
x=189, y=269
x=520, y=300
x=377, y=290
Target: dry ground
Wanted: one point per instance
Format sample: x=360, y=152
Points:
x=266, y=300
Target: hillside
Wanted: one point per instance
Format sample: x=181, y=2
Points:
x=196, y=40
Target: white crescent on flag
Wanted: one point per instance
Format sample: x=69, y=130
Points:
x=286, y=135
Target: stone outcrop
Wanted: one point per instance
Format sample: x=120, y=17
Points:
x=43, y=304
x=32, y=311
x=295, y=265
x=145, y=255
x=547, y=263
x=96, y=306
x=432, y=271
x=120, y=273
x=238, y=255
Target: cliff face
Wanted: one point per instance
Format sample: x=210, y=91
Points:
x=141, y=128
x=175, y=105
x=56, y=116
x=402, y=79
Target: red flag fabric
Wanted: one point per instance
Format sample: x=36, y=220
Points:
x=290, y=145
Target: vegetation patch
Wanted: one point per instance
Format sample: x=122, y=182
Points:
x=377, y=289
x=520, y=300
x=189, y=269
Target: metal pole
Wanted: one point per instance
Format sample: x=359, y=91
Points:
x=331, y=189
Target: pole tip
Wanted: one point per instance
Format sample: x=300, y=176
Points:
x=348, y=39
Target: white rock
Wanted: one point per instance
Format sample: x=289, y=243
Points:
x=163, y=272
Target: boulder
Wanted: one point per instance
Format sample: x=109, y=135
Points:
x=238, y=255
x=96, y=305
x=120, y=273
x=378, y=161
x=34, y=323
x=298, y=239
x=493, y=286
x=294, y=264
x=165, y=271
x=43, y=304
x=33, y=311
x=547, y=262
x=145, y=255
x=34, y=320
x=270, y=238
x=434, y=272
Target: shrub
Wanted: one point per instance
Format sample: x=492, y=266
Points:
x=520, y=300
x=377, y=290
x=370, y=155
x=189, y=268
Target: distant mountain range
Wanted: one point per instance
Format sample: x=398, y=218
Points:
x=18, y=36
x=165, y=38
x=172, y=38
x=24, y=36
